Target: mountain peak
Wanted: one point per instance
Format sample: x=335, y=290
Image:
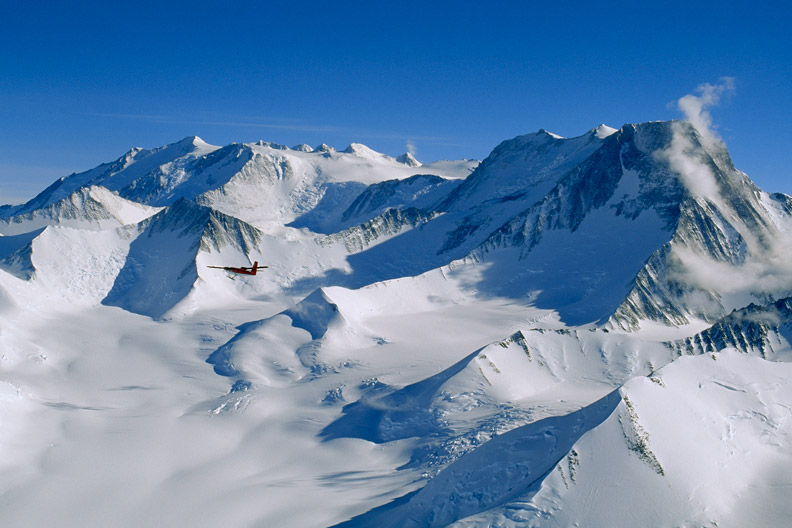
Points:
x=193, y=141
x=361, y=150
x=548, y=133
x=269, y=144
x=409, y=160
x=602, y=131
x=325, y=148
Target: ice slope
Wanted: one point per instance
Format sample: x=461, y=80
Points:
x=500, y=470
x=311, y=189
x=527, y=166
x=541, y=370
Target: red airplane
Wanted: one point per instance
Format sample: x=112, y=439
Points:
x=242, y=271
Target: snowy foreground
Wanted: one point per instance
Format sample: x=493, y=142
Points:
x=555, y=337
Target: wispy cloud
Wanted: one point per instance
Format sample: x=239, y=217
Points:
x=766, y=266
x=682, y=155
x=696, y=106
x=280, y=124
x=768, y=271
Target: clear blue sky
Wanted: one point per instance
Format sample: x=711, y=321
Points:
x=82, y=82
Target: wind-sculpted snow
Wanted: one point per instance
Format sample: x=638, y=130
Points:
x=493, y=390
x=310, y=319
x=508, y=466
x=315, y=313
x=397, y=414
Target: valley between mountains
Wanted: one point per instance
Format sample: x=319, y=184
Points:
x=590, y=331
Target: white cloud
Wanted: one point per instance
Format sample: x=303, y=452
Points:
x=683, y=159
x=767, y=264
x=695, y=107
x=768, y=272
x=682, y=155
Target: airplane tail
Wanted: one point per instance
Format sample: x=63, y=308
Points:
x=255, y=268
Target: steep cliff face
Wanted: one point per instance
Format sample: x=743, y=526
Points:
x=763, y=330
x=420, y=191
x=649, y=216
x=161, y=268
x=728, y=246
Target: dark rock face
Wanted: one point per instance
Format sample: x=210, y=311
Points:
x=755, y=329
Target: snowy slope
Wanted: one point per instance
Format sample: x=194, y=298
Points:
x=137, y=165
x=62, y=265
x=704, y=442
x=588, y=331
x=86, y=208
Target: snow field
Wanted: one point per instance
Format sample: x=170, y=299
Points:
x=450, y=365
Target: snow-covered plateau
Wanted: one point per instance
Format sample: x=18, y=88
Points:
x=592, y=331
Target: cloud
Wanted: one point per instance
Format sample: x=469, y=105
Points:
x=766, y=263
x=411, y=147
x=288, y=124
x=766, y=272
x=695, y=107
x=682, y=155
x=695, y=174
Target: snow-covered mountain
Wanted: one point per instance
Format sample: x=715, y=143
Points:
x=430, y=344
x=262, y=183
x=90, y=207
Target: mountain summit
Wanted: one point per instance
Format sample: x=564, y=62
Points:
x=450, y=343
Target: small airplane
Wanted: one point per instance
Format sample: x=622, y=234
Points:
x=245, y=270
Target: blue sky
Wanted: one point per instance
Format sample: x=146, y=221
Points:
x=83, y=82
